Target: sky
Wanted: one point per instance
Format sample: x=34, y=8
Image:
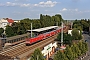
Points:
x=68, y=9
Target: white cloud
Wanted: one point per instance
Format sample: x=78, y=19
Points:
x=76, y=9
x=64, y=9
x=71, y=10
x=40, y=4
x=25, y=5
x=15, y=4
x=10, y=4
x=46, y=4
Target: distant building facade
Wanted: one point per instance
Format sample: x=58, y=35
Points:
x=5, y=21
x=70, y=32
x=16, y=21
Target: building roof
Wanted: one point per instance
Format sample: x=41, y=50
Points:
x=3, y=21
x=43, y=29
x=10, y=20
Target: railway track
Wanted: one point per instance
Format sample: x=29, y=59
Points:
x=22, y=48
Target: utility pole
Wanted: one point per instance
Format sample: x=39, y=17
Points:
x=71, y=24
x=57, y=23
x=62, y=35
x=31, y=29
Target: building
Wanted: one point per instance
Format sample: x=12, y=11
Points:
x=16, y=21
x=5, y=21
x=10, y=21
x=70, y=32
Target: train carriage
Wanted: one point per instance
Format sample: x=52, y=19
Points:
x=54, y=30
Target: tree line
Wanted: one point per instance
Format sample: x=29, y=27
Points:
x=69, y=38
x=82, y=24
x=25, y=24
x=72, y=52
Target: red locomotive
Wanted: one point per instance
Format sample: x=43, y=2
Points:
x=43, y=36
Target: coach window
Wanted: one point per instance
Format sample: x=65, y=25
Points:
x=5, y=41
x=21, y=38
x=9, y=41
x=17, y=39
x=14, y=40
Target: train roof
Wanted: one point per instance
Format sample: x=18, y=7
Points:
x=43, y=29
x=18, y=36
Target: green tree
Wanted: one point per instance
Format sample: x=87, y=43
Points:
x=85, y=47
x=41, y=17
x=81, y=47
x=75, y=34
x=60, y=56
x=75, y=50
x=80, y=35
x=15, y=27
x=21, y=29
x=37, y=55
x=44, y=21
x=9, y=31
x=69, y=53
x=67, y=38
x=85, y=25
x=1, y=30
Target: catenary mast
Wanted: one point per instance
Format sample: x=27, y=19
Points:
x=62, y=35
x=31, y=29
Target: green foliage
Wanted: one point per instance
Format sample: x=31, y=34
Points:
x=60, y=56
x=15, y=28
x=72, y=52
x=83, y=47
x=37, y=55
x=75, y=34
x=44, y=21
x=75, y=50
x=69, y=53
x=67, y=38
x=9, y=31
x=82, y=24
x=1, y=30
x=80, y=35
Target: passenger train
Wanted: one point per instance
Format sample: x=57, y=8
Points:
x=43, y=36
